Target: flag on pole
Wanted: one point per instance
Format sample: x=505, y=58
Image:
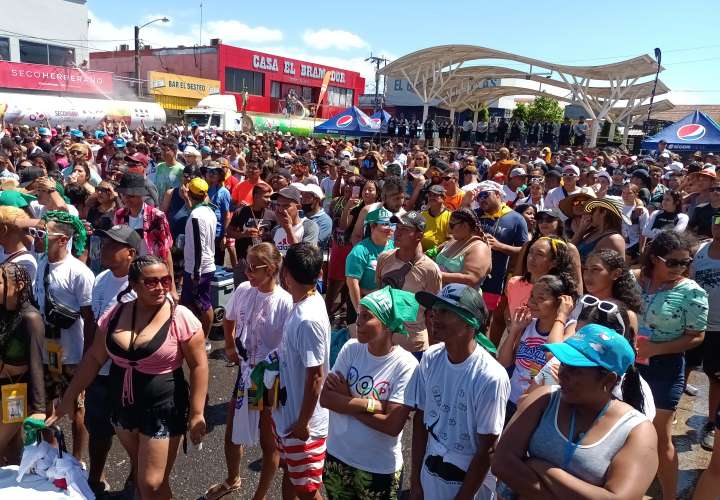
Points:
x=323, y=87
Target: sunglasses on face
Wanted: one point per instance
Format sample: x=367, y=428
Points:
x=151, y=283
x=447, y=178
x=536, y=180
x=675, y=262
x=103, y=190
x=483, y=195
x=569, y=175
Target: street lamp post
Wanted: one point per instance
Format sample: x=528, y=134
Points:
x=137, y=51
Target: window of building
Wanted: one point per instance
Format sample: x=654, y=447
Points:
x=239, y=80
x=61, y=56
x=215, y=121
x=31, y=52
x=340, y=97
x=307, y=94
x=4, y=49
x=42, y=53
x=398, y=85
x=275, y=90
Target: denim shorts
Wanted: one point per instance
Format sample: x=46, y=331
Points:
x=666, y=377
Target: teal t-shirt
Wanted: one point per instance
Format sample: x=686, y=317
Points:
x=670, y=312
x=362, y=262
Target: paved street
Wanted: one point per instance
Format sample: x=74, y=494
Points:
x=194, y=472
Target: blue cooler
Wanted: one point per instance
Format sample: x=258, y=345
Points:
x=221, y=287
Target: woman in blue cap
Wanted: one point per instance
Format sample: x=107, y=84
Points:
x=575, y=439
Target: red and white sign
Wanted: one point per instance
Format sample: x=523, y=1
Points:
x=54, y=78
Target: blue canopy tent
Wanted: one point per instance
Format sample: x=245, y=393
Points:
x=696, y=132
x=352, y=122
x=383, y=117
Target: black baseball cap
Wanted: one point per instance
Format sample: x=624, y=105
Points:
x=122, y=234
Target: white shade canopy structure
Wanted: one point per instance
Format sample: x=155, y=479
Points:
x=438, y=73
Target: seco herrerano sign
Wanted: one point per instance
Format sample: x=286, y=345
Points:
x=270, y=63
x=54, y=78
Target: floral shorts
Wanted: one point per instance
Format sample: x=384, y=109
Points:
x=344, y=482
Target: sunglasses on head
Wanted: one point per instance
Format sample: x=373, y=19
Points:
x=153, y=282
x=604, y=306
x=675, y=262
x=252, y=269
x=536, y=180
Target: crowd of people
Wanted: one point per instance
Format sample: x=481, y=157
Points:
x=534, y=310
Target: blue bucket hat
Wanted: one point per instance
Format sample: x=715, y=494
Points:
x=99, y=134
x=76, y=133
x=120, y=143
x=595, y=346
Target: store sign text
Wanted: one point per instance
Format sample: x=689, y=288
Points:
x=269, y=63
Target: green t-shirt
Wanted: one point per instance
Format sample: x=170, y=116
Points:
x=362, y=262
x=669, y=313
x=167, y=177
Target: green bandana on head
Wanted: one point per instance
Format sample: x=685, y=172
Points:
x=79, y=238
x=392, y=307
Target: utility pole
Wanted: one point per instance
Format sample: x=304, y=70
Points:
x=137, y=60
x=376, y=61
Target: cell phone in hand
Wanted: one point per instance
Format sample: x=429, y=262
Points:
x=355, y=192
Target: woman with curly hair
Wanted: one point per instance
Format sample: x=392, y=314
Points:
x=22, y=342
x=465, y=258
x=674, y=319
x=608, y=277
x=543, y=320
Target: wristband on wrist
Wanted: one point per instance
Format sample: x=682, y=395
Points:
x=371, y=405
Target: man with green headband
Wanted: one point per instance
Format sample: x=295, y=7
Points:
x=459, y=393
x=69, y=283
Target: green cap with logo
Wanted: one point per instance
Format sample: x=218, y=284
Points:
x=379, y=216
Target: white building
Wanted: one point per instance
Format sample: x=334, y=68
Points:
x=51, y=32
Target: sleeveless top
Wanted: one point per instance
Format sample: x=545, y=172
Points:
x=585, y=247
x=455, y=263
x=590, y=462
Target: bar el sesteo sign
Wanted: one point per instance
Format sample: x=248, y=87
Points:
x=54, y=78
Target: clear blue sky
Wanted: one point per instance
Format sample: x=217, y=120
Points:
x=344, y=33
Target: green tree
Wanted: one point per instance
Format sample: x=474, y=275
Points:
x=545, y=109
x=520, y=112
x=483, y=114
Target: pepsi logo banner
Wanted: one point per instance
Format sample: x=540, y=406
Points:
x=344, y=121
x=691, y=132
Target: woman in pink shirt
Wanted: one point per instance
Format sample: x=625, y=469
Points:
x=147, y=340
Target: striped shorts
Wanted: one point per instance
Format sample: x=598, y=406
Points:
x=304, y=461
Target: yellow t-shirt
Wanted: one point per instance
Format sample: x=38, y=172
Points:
x=437, y=229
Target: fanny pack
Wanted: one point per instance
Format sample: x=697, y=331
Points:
x=57, y=314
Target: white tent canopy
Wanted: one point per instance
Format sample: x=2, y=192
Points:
x=438, y=73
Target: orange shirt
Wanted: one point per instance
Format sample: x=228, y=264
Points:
x=502, y=166
x=453, y=202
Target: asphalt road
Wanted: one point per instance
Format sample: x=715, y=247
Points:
x=195, y=472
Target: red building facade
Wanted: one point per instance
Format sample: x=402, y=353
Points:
x=267, y=78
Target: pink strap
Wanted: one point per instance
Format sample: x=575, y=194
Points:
x=128, y=394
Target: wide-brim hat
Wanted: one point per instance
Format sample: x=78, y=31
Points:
x=566, y=205
x=612, y=204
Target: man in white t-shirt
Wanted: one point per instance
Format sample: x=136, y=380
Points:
x=291, y=228
x=570, y=175
x=459, y=393
x=121, y=244
x=199, y=255
x=69, y=283
x=301, y=424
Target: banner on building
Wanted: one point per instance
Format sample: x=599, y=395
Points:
x=28, y=76
x=169, y=84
